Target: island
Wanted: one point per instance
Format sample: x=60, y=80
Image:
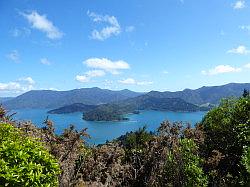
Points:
x=118, y=111
x=76, y=107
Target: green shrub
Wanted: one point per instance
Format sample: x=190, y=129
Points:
x=184, y=164
x=24, y=161
x=227, y=132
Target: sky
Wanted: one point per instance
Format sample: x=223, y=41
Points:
x=164, y=45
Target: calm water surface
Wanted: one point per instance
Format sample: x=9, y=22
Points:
x=102, y=131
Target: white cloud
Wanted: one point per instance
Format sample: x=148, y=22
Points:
x=128, y=81
x=95, y=73
x=133, y=81
x=90, y=74
x=40, y=22
x=145, y=83
x=221, y=69
x=165, y=72
x=10, y=86
x=107, y=65
x=130, y=28
x=28, y=80
x=239, y=50
x=113, y=27
x=247, y=66
x=239, y=4
x=45, y=61
x=19, y=86
x=14, y=56
x=82, y=78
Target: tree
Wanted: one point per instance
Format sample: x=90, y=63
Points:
x=24, y=161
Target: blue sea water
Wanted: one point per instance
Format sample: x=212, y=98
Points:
x=100, y=132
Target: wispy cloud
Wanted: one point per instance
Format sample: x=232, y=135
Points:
x=130, y=28
x=20, y=32
x=112, y=28
x=107, y=65
x=14, y=56
x=41, y=23
x=45, y=61
x=221, y=69
x=242, y=50
x=245, y=28
x=239, y=4
x=89, y=74
x=134, y=82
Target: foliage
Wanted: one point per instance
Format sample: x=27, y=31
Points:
x=227, y=133
x=192, y=163
x=105, y=166
x=246, y=159
x=183, y=166
x=4, y=116
x=67, y=148
x=24, y=161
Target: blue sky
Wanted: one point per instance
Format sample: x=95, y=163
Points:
x=139, y=45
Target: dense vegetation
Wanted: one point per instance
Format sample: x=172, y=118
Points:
x=117, y=110
x=216, y=152
x=76, y=107
x=108, y=112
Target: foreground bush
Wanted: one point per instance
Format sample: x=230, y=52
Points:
x=227, y=136
x=24, y=161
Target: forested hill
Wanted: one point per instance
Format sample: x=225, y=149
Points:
x=77, y=107
x=56, y=99
x=210, y=94
x=115, y=111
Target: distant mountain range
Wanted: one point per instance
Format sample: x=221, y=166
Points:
x=55, y=99
x=99, y=103
x=205, y=94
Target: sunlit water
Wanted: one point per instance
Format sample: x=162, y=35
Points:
x=102, y=131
